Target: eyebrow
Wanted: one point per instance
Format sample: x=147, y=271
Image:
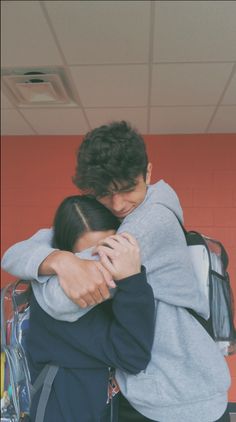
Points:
x=112, y=191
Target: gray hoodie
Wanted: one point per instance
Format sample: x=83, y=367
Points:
x=187, y=378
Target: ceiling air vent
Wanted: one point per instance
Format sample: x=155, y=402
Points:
x=37, y=88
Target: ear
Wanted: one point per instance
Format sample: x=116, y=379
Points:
x=149, y=173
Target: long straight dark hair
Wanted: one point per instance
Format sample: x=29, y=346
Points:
x=76, y=215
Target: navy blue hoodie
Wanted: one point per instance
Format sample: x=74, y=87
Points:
x=117, y=333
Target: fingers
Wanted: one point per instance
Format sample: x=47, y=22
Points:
x=106, y=261
x=120, y=255
x=91, y=299
x=130, y=238
x=96, y=288
x=85, y=282
x=106, y=273
x=108, y=252
x=104, y=291
x=81, y=303
x=87, y=301
x=96, y=296
x=111, y=284
x=113, y=243
x=107, y=278
x=116, y=245
x=119, y=239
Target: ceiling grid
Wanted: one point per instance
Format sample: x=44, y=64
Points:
x=165, y=66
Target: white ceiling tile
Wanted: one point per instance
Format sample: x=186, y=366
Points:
x=56, y=121
x=5, y=103
x=137, y=117
x=107, y=46
x=179, y=119
x=224, y=120
x=104, y=86
x=94, y=32
x=230, y=94
x=12, y=123
x=195, y=31
x=189, y=83
x=26, y=38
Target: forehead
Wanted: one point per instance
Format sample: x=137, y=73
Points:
x=122, y=186
x=117, y=186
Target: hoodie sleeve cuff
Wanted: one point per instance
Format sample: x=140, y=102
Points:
x=135, y=278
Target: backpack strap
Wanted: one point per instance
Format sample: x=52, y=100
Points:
x=206, y=324
x=45, y=378
x=195, y=238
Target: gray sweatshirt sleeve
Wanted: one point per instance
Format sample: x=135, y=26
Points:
x=53, y=300
x=163, y=249
x=24, y=258
x=166, y=257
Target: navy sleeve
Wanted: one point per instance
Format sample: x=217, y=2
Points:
x=117, y=333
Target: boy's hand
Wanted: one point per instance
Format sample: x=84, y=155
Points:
x=85, y=282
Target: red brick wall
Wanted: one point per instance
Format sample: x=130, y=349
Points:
x=37, y=170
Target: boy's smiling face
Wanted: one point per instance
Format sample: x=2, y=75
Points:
x=123, y=200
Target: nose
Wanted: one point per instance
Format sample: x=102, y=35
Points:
x=118, y=202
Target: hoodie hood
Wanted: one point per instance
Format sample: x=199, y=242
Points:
x=162, y=193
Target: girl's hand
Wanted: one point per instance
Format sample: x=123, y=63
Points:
x=120, y=255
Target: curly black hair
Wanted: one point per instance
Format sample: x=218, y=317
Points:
x=110, y=156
